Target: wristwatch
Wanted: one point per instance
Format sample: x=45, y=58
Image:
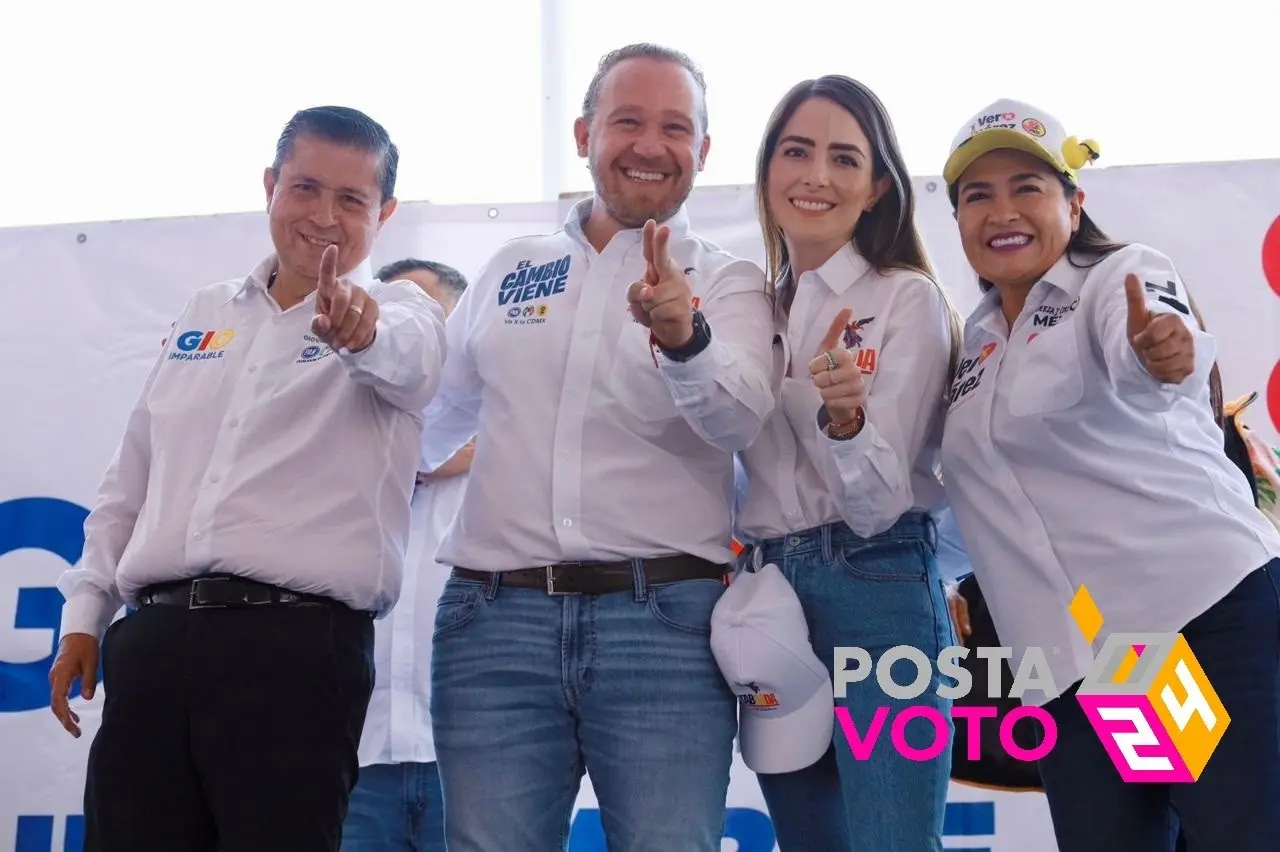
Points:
x=700, y=340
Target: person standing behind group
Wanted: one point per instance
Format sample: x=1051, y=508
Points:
x=396, y=805
x=1081, y=449
x=609, y=371
x=255, y=518
x=842, y=478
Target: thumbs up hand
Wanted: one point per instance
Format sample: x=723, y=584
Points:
x=837, y=377
x=346, y=316
x=662, y=302
x=1162, y=342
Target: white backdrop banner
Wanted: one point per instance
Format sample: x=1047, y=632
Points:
x=86, y=306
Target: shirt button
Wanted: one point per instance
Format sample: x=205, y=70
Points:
x=214, y=478
x=234, y=422
x=196, y=536
x=567, y=522
x=253, y=368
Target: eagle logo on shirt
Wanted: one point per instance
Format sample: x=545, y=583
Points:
x=852, y=335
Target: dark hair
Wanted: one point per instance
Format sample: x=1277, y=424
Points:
x=449, y=277
x=342, y=126
x=643, y=50
x=1092, y=244
x=1088, y=242
x=886, y=236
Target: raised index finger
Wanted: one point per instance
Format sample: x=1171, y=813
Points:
x=327, y=283
x=838, y=325
x=646, y=240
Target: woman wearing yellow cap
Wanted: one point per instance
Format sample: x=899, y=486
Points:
x=1087, y=477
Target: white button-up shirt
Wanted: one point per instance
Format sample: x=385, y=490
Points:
x=901, y=332
x=1066, y=464
x=397, y=727
x=255, y=449
x=586, y=448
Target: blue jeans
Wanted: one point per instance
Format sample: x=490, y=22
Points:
x=395, y=807
x=1235, y=804
x=872, y=593
x=528, y=691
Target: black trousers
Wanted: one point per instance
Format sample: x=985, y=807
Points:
x=233, y=730
x=1233, y=806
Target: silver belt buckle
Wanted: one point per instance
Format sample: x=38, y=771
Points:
x=551, y=583
x=195, y=587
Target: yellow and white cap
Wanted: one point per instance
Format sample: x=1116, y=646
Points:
x=1022, y=127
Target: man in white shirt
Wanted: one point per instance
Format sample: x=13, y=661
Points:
x=593, y=540
x=254, y=519
x=396, y=805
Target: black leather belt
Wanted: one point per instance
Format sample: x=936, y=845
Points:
x=226, y=592
x=599, y=578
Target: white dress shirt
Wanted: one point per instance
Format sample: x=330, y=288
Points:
x=953, y=556
x=900, y=329
x=254, y=449
x=397, y=727
x=586, y=448
x=1068, y=464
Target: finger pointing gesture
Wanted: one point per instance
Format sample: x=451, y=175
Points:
x=1162, y=341
x=836, y=375
x=346, y=317
x=838, y=325
x=662, y=300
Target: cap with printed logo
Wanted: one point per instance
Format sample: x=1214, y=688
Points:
x=1022, y=127
x=760, y=639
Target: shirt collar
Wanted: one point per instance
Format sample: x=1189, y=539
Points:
x=259, y=277
x=575, y=222
x=840, y=271
x=1061, y=276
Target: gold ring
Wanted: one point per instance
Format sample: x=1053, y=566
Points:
x=831, y=361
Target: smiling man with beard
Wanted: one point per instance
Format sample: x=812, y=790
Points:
x=609, y=371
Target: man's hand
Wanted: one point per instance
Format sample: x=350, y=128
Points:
x=1162, y=342
x=77, y=658
x=662, y=301
x=458, y=464
x=346, y=316
x=959, y=608
x=837, y=376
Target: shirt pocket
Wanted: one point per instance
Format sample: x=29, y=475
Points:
x=635, y=380
x=1050, y=377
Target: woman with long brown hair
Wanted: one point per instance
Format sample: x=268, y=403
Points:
x=842, y=478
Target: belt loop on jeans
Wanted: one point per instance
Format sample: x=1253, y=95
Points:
x=930, y=531
x=637, y=572
x=491, y=586
x=828, y=550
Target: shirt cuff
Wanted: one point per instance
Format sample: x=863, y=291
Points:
x=361, y=359
x=688, y=380
x=858, y=445
x=87, y=611
x=1206, y=348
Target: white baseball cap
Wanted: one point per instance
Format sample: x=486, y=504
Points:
x=786, y=712
x=1023, y=127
